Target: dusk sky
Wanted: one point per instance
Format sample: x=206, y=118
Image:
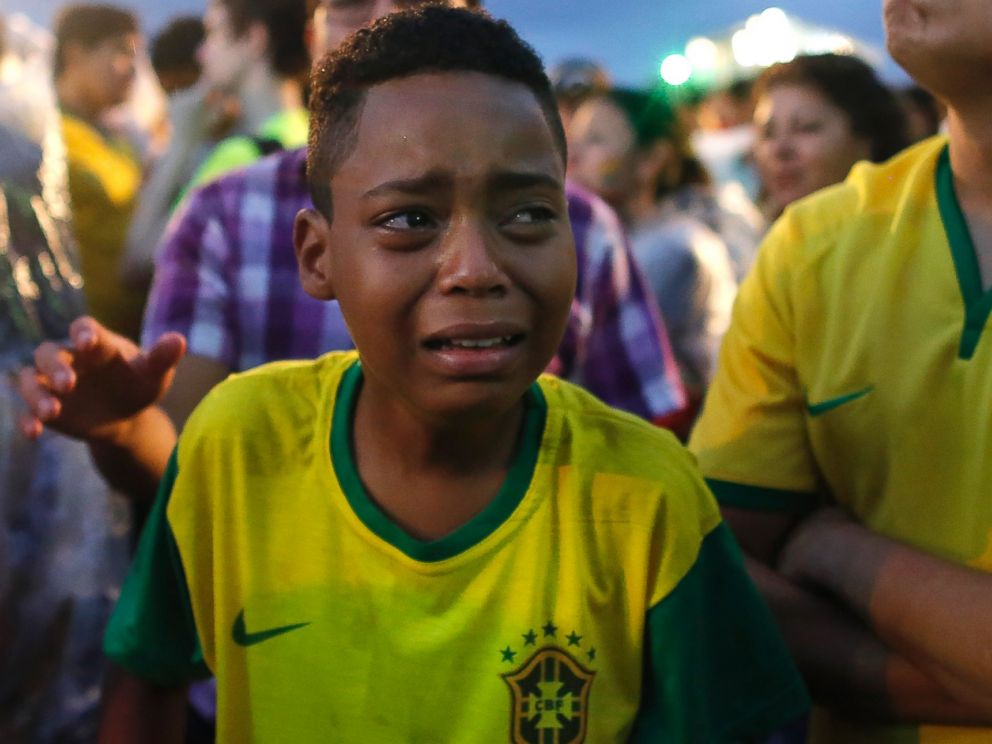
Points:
x=629, y=37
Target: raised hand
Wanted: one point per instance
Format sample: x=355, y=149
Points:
x=94, y=386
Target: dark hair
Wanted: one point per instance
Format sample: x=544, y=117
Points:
x=852, y=86
x=89, y=25
x=429, y=38
x=285, y=22
x=176, y=45
x=740, y=89
x=923, y=101
x=652, y=118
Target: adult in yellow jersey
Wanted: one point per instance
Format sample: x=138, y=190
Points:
x=849, y=429
x=425, y=540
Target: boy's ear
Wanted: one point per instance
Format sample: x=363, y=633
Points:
x=311, y=240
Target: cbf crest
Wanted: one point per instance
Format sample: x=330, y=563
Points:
x=549, y=691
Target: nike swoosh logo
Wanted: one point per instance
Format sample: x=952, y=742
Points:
x=242, y=637
x=818, y=409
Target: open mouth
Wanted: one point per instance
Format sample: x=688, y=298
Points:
x=473, y=344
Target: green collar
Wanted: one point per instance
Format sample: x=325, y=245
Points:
x=977, y=303
x=469, y=534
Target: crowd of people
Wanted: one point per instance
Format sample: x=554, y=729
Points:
x=431, y=396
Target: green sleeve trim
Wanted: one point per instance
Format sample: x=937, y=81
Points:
x=716, y=668
x=977, y=302
x=475, y=530
x=760, y=498
x=151, y=632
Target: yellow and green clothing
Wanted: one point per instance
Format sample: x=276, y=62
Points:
x=598, y=597
x=287, y=128
x=858, y=368
x=104, y=179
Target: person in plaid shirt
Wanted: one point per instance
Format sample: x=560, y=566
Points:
x=226, y=278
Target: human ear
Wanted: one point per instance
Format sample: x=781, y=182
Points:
x=311, y=241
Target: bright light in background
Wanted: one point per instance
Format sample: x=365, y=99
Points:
x=676, y=69
x=824, y=43
x=701, y=53
x=743, y=48
x=766, y=38
x=774, y=18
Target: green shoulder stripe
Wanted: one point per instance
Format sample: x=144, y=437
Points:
x=151, y=632
x=762, y=499
x=717, y=669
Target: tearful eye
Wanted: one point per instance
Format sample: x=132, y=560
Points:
x=408, y=221
x=532, y=216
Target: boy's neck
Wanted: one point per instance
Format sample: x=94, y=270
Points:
x=431, y=478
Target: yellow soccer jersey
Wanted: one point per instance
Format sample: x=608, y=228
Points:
x=858, y=367
x=104, y=178
x=598, y=598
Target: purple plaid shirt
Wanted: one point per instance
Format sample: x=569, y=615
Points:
x=226, y=278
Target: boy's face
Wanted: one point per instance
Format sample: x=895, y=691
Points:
x=450, y=249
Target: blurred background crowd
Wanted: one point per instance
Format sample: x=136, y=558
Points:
x=110, y=126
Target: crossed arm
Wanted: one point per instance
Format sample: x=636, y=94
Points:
x=880, y=630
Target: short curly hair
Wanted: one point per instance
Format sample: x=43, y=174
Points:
x=428, y=38
x=852, y=86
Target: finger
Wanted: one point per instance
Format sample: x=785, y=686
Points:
x=30, y=426
x=83, y=333
x=55, y=363
x=37, y=396
x=163, y=356
x=99, y=345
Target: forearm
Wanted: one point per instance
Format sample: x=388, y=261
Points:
x=136, y=711
x=937, y=613
x=134, y=460
x=850, y=670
